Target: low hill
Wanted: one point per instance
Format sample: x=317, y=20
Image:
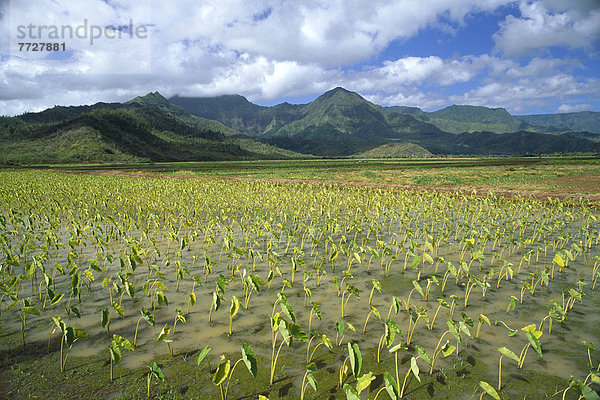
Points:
x=395, y=150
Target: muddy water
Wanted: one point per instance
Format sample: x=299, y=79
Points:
x=563, y=352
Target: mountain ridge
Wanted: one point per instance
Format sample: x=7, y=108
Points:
x=338, y=123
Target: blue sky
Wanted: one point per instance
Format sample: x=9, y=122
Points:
x=528, y=56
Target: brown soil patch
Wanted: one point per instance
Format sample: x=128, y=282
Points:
x=585, y=183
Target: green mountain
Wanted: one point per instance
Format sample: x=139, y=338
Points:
x=157, y=100
x=337, y=123
x=134, y=131
x=460, y=118
x=588, y=121
x=234, y=111
x=489, y=143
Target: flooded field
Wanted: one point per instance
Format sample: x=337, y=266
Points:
x=117, y=287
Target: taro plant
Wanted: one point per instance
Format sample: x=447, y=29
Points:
x=355, y=358
x=155, y=371
x=179, y=316
x=233, y=310
x=309, y=378
x=202, y=355
x=27, y=309
x=288, y=332
x=70, y=335
x=362, y=382
x=163, y=337
x=114, y=349
x=147, y=316
x=325, y=341
x=225, y=371
x=504, y=352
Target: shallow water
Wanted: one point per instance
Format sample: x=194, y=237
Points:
x=349, y=215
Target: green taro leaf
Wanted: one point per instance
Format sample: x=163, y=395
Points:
x=235, y=306
x=508, y=353
x=467, y=320
x=355, y=358
x=339, y=326
x=418, y=287
x=327, y=342
x=130, y=289
x=70, y=335
x=79, y=334
x=447, y=350
x=391, y=386
x=297, y=332
x=163, y=333
x=376, y=285
x=390, y=333
x=316, y=309
x=157, y=372
x=249, y=359
x=59, y=323
x=105, y=318
x=115, y=352
x=117, y=307
x=122, y=342
x=351, y=393
x=375, y=312
x=364, y=381
x=76, y=311
x=535, y=343
x=587, y=392
x=311, y=380
x=414, y=367
x=489, y=390
x=558, y=260
x=454, y=330
x=423, y=354
x=286, y=309
x=203, y=354
x=147, y=315
x=283, y=328
x=222, y=372
x=30, y=310
x=216, y=301
x=463, y=327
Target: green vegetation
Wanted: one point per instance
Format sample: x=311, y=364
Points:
x=560, y=176
x=338, y=123
x=219, y=266
x=129, y=133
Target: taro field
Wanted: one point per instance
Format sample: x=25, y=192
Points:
x=128, y=287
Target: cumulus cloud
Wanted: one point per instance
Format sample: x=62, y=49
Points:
x=543, y=24
x=524, y=94
x=268, y=49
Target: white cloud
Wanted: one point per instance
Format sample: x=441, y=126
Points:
x=267, y=49
x=411, y=97
x=522, y=95
x=541, y=26
x=568, y=108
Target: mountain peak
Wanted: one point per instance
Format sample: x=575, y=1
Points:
x=152, y=98
x=341, y=96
